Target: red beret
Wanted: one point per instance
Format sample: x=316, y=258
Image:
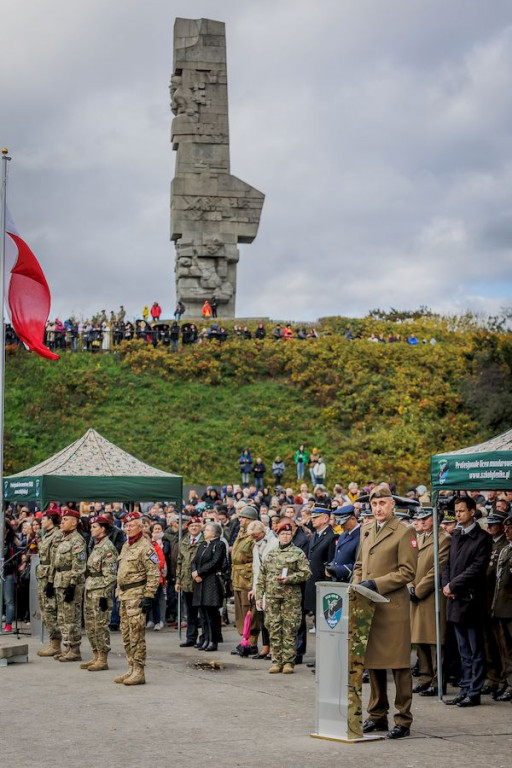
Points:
x=69, y=513
x=51, y=511
x=101, y=519
x=284, y=526
x=131, y=516
x=194, y=519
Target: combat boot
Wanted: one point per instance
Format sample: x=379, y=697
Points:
x=51, y=650
x=275, y=668
x=122, y=678
x=72, y=655
x=89, y=663
x=288, y=669
x=100, y=663
x=137, y=676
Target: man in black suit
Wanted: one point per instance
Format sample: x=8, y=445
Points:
x=321, y=551
x=464, y=586
x=347, y=548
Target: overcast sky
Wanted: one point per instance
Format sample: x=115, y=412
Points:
x=379, y=131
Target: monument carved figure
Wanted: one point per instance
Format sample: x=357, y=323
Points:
x=211, y=210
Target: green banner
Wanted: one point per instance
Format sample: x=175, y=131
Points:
x=472, y=471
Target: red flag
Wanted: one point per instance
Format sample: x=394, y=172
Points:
x=26, y=292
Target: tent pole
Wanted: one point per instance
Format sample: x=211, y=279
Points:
x=437, y=595
x=3, y=216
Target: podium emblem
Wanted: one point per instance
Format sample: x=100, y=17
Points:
x=332, y=607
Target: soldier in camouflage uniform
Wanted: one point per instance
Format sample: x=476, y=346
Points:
x=281, y=574
x=52, y=535
x=67, y=578
x=138, y=576
x=241, y=578
x=101, y=576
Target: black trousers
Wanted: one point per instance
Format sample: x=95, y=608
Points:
x=212, y=626
x=192, y=617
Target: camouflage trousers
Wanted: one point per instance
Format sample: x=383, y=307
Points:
x=48, y=608
x=69, y=616
x=97, y=621
x=282, y=619
x=133, y=630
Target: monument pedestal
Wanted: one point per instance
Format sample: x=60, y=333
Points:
x=344, y=615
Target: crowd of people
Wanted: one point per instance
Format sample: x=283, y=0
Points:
x=262, y=551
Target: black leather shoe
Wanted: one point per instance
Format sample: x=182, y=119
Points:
x=236, y=652
x=456, y=700
x=398, y=732
x=187, y=644
x=469, y=701
x=488, y=690
x=211, y=647
x=430, y=691
x=419, y=688
x=507, y=696
x=371, y=725
x=311, y=664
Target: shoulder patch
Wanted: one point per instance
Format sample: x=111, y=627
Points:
x=153, y=557
x=110, y=554
x=414, y=543
x=81, y=556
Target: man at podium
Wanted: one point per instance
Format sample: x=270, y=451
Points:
x=386, y=564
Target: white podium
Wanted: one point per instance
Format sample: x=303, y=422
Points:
x=344, y=615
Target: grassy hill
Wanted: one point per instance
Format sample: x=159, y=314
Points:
x=375, y=411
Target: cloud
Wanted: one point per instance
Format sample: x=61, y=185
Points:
x=380, y=134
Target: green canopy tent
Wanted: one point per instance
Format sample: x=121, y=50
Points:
x=486, y=466
x=92, y=469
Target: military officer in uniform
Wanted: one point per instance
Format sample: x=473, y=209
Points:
x=495, y=684
x=67, y=578
x=101, y=576
x=502, y=609
x=138, y=576
x=282, y=572
x=241, y=577
x=387, y=564
x=52, y=535
x=423, y=608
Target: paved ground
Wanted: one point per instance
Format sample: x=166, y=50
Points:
x=57, y=715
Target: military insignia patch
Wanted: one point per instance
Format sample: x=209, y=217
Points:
x=154, y=558
x=81, y=556
x=414, y=543
x=332, y=607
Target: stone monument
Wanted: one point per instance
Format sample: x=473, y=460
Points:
x=211, y=210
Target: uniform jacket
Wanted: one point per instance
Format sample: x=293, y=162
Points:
x=301, y=540
x=102, y=568
x=321, y=551
x=137, y=565
x=497, y=546
x=423, y=614
x=47, y=549
x=465, y=571
x=69, y=563
x=388, y=557
x=345, y=554
x=208, y=562
x=186, y=554
x=502, y=603
x=241, y=561
x=295, y=561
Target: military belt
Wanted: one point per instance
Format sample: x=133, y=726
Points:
x=61, y=568
x=124, y=587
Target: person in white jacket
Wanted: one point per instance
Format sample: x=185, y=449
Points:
x=265, y=541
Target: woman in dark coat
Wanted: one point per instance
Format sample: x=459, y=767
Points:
x=208, y=595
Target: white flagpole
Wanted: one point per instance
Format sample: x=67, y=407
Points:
x=3, y=212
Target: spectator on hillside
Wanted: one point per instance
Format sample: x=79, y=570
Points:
x=174, y=335
x=287, y=331
x=278, y=469
x=260, y=331
x=206, y=310
x=412, y=340
x=313, y=460
x=145, y=312
x=214, y=305
x=259, y=470
x=302, y=334
x=277, y=333
x=156, y=311
x=301, y=458
x=245, y=465
x=179, y=311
